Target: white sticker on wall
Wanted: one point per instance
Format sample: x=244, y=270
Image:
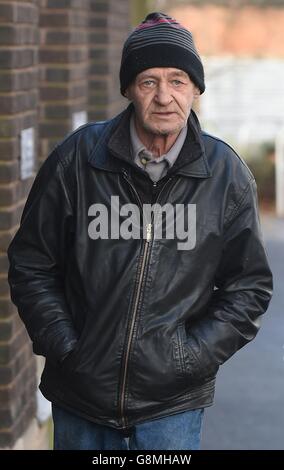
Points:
x=27, y=152
x=78, y=119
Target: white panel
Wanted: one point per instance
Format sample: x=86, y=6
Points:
x=27, y=152
x=280, y=174
x=244, y=99
x=78, y=119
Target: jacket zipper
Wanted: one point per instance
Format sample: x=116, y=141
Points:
x=143, y=264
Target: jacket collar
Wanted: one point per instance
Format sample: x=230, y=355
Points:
x=112, y=150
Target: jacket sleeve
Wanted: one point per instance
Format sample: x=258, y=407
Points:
x=37, y=257
x=243, y=290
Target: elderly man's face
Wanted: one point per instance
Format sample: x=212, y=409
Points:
x=163, y=99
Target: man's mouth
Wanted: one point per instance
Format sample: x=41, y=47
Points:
x=166, y=114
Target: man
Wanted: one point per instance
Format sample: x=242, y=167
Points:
x=139, y=266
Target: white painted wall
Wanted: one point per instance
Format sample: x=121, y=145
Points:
x=244, y=99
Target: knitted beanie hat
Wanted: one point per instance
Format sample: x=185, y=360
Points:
x=160, y=41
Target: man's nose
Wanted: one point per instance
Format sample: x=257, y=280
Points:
x=163, y=95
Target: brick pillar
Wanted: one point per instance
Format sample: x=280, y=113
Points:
x=64, y=65
x=18, y=111
x=109, y=27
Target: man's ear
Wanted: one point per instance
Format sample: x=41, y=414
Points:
x=196, y=92
x=127, y=94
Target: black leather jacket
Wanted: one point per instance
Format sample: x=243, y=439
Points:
x=137, y=329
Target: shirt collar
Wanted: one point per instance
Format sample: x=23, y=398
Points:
x=170, y=156
x=112, y=149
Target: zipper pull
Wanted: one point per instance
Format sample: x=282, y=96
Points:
x=148, y=232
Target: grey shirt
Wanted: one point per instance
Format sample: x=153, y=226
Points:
x=156, y=167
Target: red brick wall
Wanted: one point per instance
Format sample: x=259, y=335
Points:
x=18, y=107
x=109, y=26
x=57, y=57
x=63, y=67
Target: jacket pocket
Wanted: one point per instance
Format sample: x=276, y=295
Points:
x=178, y=351
x=188, y=365
x=72, y=359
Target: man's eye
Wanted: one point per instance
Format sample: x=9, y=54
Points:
x=177, y=82
x=148, y=83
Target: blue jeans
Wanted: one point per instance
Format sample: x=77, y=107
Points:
x=176, y=432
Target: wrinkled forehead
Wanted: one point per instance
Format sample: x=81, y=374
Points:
x=160, y=72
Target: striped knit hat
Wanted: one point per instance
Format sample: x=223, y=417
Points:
x=160, y=41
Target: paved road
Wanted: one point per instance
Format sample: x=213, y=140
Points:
x=249, y=400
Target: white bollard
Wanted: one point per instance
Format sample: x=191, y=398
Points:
x=279, y=173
